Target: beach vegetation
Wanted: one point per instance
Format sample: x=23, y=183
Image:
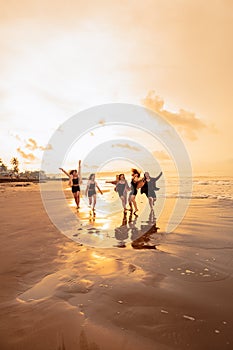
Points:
x=15, y=163
x=3, y=167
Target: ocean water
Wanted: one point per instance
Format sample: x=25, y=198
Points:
x=220, y=188
x=203, y=187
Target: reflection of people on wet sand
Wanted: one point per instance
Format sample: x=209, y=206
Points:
x=92, y=217
x=91, y=191
x=146, y=232
x=152, y=218
x=132, y=226
x=140, y=237
x=75, y=179
x=121, y=233
x=149, y=187
x=132, y=195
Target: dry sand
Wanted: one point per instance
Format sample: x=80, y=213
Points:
x=58, y=295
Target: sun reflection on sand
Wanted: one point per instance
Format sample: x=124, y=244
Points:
x=97, y=256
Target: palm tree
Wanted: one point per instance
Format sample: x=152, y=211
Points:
x=2, y=165
x=15, y=163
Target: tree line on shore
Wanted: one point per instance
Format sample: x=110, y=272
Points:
x=14, y=171
x=15, y=163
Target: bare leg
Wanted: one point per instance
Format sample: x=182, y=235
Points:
x=151, y=202
x=94, y=201
x=130, y=202
x=76, y=198
x=90, y=200
x=125, y=198
x=134, y=203
x=152, y=217
x=123, y=202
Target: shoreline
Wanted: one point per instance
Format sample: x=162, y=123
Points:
x=9, y=180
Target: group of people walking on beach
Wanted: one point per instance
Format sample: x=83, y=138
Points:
x=146, y=184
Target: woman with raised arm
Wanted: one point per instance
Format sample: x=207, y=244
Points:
x=149, y=187
x=91, y=191
x=121, y=188
x=75, y=179
x=132, y=195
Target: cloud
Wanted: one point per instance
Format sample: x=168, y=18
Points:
x=28, y=156
x=32, y=145
x=46, y=148
x=161, y=155
x=186, y=122
x=126, y=145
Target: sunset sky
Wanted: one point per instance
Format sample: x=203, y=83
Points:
x=173, y=56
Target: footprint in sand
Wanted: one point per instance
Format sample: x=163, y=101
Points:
x=131, y=268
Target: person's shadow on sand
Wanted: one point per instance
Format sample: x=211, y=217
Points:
x=122, y=233
x=135, y=232
x=146, y=231
x=140, y=237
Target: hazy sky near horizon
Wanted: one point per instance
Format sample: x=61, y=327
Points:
x=174, y=56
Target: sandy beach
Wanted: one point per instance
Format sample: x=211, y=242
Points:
x=59, y=295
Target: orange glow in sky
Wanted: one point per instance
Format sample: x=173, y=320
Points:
x=175, y=57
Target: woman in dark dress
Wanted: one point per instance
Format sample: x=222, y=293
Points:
x=121, y=188
x=91, y=191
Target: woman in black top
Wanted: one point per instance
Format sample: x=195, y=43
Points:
x=75, y=179
x=133, y=192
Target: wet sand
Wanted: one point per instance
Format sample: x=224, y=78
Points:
x=57, y=294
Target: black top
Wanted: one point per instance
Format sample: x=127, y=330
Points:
x=149, y=186
x=133, y=188
x=75, y=181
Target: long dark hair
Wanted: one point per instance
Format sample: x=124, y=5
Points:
x=91, y=176
x=119, y=176
x=145, y=175
x=72, y=171
x=135, y=172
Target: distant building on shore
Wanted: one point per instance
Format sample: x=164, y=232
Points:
x=8, y=174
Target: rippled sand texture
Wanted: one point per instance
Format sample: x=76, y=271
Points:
x=57, y=294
